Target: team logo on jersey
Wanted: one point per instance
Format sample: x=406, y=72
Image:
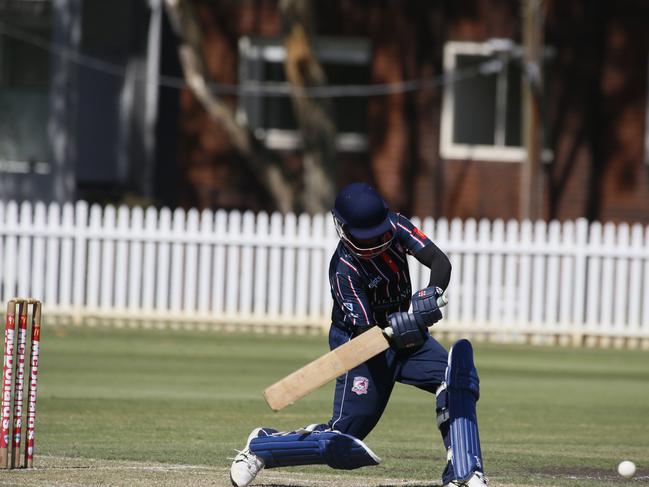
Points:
x=360, y=385
x=350, y=308
x=375, y=282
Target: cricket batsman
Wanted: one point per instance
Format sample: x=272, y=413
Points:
x=370, y=285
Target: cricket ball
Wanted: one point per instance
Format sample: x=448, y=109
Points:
x=626, y=469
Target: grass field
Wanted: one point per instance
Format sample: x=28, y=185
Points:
x=145, y=407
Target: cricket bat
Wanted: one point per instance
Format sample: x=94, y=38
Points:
x=329, y=366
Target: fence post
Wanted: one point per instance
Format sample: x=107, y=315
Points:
x=468, y=277
x=38, y=258
x=178, y=233
x=645, y=299
x=566, y=299
x=538, y=272
x=579, y=296
x=524, y=274
x=162, y=265
x=552, y=287
x=149, y=268
x=496, y=275
x=247, y=257
x=218, y=263
x=288, y=266
x=318, y=272
x=511, y=267
x=261, y=265
x=608, y=269
x=80, y=252
x=482, y=279
x=24, y=249
x=66, y=272
x=10, y=249
x=302, y=269
x=135, y=278
x=455, y=257
x=52, y=259
x=191, y=262
x=275, y=270
x=121, y=257
x=621, y=292
x=635, y=283
x=205, y=261
x=108, y=257
x=233, y=272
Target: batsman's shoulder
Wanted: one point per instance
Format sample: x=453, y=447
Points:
x=342, y=263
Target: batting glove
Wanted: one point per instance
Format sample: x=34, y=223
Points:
x=405, y=331
x=425, y=306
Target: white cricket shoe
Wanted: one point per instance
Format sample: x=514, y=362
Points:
x=478, y=479
x=246, y=465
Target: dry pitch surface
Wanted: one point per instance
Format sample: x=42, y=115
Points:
x=76, y=472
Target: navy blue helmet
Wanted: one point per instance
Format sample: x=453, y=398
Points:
x=363, y=220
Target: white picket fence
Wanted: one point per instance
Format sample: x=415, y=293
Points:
x=134, y=265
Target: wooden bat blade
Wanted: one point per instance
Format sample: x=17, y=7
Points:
x=325, y=368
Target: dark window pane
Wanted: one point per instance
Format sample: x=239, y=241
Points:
x=278, y=114
x=23, y=125
x=274, y=72
x=514, y=106
x=350, y=113
x=474, y=109
x=25, y=65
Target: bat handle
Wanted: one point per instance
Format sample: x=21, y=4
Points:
x=441, y=302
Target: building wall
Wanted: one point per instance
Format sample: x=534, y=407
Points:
x=596, y=114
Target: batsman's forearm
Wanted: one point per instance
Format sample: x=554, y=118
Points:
x=440, y=266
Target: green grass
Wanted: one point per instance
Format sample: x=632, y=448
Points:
x=548, y=416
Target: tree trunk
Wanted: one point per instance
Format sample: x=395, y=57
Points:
x=268, y=170
x=313, y=115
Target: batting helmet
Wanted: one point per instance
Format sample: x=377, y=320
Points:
x=362, y=220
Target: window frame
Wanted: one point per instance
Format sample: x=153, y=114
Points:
x=453, y=150
x=353, y=51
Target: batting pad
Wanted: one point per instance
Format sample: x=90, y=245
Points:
x=463, y=387
x=295, y=448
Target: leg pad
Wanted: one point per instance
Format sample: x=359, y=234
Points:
x=304, y=447
x=463, y=390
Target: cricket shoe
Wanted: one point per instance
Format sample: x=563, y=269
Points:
x=478, y=479
x=246, y=465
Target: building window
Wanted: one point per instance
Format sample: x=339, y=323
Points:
x=345, y=62
x=481, y=109
x=24, y=92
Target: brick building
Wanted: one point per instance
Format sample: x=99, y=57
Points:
x=441, y=137
x=449, y=149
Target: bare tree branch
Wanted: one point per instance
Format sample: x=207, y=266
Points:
x=317, y=128
x=186, y=25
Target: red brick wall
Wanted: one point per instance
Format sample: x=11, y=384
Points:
x=597, y=107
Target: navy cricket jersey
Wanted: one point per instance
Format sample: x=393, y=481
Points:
x=366, y=291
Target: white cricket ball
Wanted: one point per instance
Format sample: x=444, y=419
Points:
x=626, y=469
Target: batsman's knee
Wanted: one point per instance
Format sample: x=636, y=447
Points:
x=461, y=374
